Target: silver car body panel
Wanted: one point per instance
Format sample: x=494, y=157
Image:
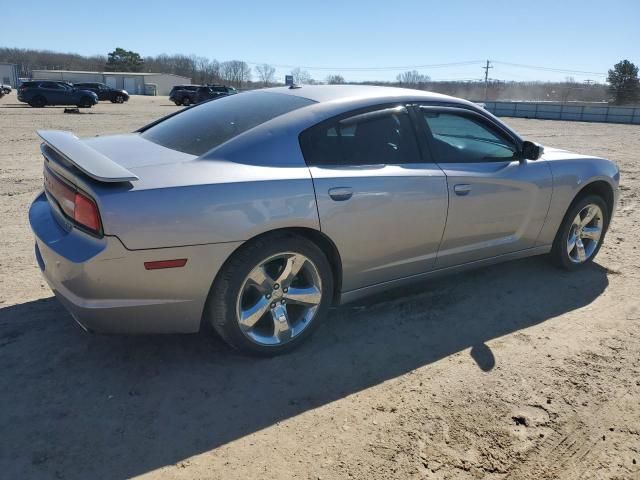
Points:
x=106, y=287
x=502, y=209
x=572, y=172
x=391, y=224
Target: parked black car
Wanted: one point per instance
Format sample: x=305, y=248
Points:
x=105, y=92
x=40, y=93
x=183, y=94
x=208, y=92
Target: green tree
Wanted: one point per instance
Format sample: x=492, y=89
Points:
x=121, y=60
x=624, y=84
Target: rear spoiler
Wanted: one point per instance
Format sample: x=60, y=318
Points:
x=89, y=161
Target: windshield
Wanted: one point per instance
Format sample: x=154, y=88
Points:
x=201, y=128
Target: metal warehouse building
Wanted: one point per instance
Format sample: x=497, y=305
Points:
x=9, y=74
x=134, y=83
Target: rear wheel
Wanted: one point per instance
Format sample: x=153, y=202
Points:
x=186, y=101
x=581, y=234
x=85, y=102
x=271, y=295
x=38, y=102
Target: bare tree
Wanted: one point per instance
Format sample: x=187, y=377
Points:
x=235, y=72
x=413, y=79
x=335, y=80
x=265, y=73
x=301, y=76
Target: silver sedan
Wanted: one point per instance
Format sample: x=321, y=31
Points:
x=254, y=213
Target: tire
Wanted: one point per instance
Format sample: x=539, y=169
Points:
x=119, y=99
x=38, y=102
x=274, y=330
x=85, y=102
x=573, y=258
x=177, y=103
x=186, y=101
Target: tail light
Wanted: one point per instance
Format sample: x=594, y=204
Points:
x=86, y=213
x=74, y=204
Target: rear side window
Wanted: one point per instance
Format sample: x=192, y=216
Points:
x=382, y=136
x=199, y=129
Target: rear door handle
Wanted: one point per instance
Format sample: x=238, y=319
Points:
x=340, y=194
x=462, y=189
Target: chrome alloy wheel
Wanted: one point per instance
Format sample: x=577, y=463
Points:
x=585, y=233
x=279, y=299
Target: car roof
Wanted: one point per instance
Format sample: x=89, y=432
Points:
x=327, y=93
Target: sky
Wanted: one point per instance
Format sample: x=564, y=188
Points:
x=360, y=40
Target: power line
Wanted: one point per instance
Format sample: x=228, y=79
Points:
x=549, y=69
x=372, y=69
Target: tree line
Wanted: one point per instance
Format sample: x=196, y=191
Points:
x=623, y=87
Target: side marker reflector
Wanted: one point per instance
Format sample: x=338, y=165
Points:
x=180, y=262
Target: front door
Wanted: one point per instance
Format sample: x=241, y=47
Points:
x=378, y=200
x=498, y=202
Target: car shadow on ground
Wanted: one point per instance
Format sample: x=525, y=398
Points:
x=135, y=404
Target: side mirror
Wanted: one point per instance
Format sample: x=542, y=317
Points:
x=532, y=150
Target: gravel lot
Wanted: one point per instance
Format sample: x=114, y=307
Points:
x=515, y=371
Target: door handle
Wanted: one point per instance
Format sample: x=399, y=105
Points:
x=340, y=194
x=462, y=189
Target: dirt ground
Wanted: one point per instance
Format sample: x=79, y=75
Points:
x=517, y=371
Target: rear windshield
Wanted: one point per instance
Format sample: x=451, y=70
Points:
x=199, y=129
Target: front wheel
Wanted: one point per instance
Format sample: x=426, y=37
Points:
x=120, y=99
x=186, y=101
x=271, y=295
x=581, y=234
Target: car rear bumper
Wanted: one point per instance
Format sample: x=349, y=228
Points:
x=106, y=287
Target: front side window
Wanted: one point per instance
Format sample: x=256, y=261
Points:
x=201, y=128
x=378, y=137
x=460, y=138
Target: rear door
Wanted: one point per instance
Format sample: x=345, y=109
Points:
x=498, y=201
x=379, y=200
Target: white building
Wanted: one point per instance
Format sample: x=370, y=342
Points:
x=9, y=74
x=134, y=83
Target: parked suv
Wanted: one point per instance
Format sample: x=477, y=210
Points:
x=105, y=92
x=40, y=93
x=183, y=94
x=208, y=92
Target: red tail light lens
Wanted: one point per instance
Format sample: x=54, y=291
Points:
x=75, y=205
x=86, y=213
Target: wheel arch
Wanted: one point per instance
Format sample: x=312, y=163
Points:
x=602, y=188
x=318, y=238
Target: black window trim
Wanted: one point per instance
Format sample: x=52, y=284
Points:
x=423, y=155
x=468, y=112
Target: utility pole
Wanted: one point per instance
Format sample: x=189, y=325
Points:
x=486, y=78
